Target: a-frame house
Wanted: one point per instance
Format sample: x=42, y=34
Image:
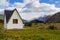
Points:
x=12, y=19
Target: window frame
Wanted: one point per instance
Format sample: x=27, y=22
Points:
x=15, y=21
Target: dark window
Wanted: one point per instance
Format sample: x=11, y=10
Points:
x=15, y=21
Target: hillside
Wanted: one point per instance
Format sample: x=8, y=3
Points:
x=54, y=18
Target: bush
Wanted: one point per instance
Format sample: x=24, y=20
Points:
x=51, y=27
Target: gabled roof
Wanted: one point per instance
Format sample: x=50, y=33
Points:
x=8, y=14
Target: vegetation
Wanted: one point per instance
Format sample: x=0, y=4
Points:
x=31, y=33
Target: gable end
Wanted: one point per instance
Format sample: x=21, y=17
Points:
x=9, y=13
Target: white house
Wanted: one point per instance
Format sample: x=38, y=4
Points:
x=12, y=20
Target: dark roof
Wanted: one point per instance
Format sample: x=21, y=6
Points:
x=8, y=14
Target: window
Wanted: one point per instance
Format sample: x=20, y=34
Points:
x=15, y=21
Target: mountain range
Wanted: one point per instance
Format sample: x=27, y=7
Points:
x=39, y=19
x=54, y=18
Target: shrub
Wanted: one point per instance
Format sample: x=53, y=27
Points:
x=51, y=27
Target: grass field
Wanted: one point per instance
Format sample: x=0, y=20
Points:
x=30, y=33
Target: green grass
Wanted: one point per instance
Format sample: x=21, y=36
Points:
x=33, y=34
x=30, y=33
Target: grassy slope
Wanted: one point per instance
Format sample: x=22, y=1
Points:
x=32, y=33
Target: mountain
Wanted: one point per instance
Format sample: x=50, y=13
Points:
x=39, y=19
x=54, y=18
x=36, y=21
x=25, y=20
x=44, y=18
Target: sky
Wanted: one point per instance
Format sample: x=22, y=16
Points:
x=31, y=9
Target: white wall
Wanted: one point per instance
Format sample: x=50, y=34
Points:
x=5, y=21
x=10, y=24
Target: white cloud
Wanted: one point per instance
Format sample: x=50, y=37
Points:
x=1, y=11
x=4, y=3
x=10, y=8
x=41, y=10
x=35, y=9
x=49, y=8
x=18, y=5
x=34, y=3
x=27, y=1
x=30, y=16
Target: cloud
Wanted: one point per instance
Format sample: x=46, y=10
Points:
x=27, y=1
x=43, y=9
x=1, y=11
x=4, y=3
x=34, y=10
x=18, y=4
x=35, y=3
x=49, y=8
x=32, y=2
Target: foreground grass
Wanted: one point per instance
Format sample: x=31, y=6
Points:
x=33, y=34
x=29, y=34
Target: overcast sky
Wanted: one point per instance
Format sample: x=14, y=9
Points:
x=31, y=9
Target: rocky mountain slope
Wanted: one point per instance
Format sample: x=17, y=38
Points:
x=54, y=18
